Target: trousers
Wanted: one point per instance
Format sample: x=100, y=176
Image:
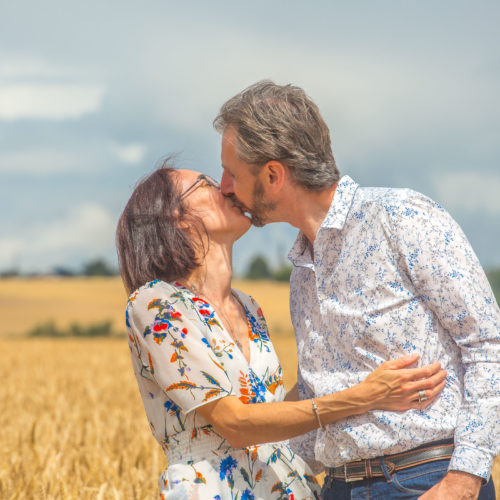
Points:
x=407, y=484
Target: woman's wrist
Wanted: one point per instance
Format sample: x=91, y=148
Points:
x=349, y=402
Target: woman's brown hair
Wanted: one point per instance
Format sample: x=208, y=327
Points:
x=150, y=243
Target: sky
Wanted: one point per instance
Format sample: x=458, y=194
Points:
x=93, y=95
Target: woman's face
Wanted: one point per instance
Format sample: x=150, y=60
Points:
x=223, y=219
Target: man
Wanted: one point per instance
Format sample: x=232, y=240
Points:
x=378, y=273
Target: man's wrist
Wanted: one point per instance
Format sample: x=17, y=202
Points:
x=471, y=483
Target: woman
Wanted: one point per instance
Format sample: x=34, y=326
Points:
x=207, y=372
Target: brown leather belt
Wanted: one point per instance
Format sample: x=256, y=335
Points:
x=369, y=468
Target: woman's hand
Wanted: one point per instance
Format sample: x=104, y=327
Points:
x=393, y=386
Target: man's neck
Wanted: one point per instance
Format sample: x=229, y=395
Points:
x=306, y=210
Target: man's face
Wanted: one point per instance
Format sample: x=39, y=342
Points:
x=240, y=184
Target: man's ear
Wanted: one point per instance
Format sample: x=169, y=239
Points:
x=273, y=175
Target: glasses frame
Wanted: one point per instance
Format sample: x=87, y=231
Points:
x=202, y=177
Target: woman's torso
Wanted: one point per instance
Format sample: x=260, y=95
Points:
x=183, y=357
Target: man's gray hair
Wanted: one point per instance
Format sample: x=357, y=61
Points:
x=280, y=122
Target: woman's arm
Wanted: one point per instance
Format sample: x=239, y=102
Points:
x=390, y=387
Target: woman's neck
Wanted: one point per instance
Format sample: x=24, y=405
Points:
x=213, y=278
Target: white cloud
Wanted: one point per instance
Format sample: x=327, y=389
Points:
x=475, y=192
x=129, y=153
x=10, y=249
x=50, y=101
x=27, y=66
x=88, y=226
x=39, y=162
x=86, y=230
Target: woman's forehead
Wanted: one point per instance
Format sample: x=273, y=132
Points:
x=187, y=177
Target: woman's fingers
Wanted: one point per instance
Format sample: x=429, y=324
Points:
x=411, y=373
x=402, y=362
x=431, y=396
x=427, y=383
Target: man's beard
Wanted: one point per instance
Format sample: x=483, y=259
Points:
x=260, y=207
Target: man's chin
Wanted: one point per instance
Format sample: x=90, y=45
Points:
x=257, y=221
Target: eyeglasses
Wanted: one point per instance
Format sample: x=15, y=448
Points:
x=202, y=177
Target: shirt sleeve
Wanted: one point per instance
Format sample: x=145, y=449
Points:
x=173, y=348
x=447, y=275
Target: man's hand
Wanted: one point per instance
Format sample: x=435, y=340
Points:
x=457, y=485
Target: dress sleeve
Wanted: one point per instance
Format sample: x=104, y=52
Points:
x=170, y=339
x=447, y=275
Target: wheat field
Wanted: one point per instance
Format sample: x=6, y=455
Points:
x=72, y=424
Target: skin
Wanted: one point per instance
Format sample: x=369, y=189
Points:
x=280, y=191
x=392, y=386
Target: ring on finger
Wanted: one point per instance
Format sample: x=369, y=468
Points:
x=422, y=396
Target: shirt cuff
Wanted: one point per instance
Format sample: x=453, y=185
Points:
x=471, y=460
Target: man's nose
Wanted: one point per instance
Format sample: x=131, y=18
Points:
x=226, y=184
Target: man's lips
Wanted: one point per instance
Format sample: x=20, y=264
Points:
x=243, y=209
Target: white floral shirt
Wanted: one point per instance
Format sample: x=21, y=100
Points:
x=393, y=274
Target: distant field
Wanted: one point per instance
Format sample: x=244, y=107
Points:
x=27, y=302
x=72, y=425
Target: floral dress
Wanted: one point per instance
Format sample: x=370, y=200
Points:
x=183, y=358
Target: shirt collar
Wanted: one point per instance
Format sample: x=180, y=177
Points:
x=335, y=218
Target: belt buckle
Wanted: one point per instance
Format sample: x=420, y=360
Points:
x=352, y=480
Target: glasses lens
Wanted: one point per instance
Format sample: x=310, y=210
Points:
x=201, y=178
x=212, y=182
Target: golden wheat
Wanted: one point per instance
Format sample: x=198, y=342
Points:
x=27, y=302
x=72, y=424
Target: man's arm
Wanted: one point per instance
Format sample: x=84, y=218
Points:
x=447, y=275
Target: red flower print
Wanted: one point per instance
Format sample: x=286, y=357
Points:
x=196, y=299
x=158, y=327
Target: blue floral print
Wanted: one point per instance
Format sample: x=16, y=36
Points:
x=183, y=358
x=393, y=274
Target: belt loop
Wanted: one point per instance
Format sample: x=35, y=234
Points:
x=368, y=469
x=385, y=469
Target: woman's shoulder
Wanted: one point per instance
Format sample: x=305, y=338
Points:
x=250, y=303
x=154, y=289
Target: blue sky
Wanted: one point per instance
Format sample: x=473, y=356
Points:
x=93, y=95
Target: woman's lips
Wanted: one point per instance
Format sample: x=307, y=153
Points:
x=242, y=209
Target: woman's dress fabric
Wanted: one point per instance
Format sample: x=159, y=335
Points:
x=183, y=358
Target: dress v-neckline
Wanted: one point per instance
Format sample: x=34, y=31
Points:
x=224, y=330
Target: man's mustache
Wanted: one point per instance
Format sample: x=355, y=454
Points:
x=255, y=219
x=237, y=202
